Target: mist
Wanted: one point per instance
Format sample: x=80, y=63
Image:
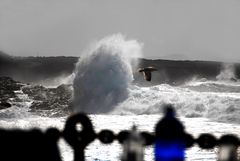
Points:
x=104, y=73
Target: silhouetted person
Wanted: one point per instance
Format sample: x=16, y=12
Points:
x=147, y=72
x=169, y=144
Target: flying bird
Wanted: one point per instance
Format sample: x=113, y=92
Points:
x=147, y=72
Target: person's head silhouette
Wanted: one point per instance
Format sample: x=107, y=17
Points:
x=169, y=111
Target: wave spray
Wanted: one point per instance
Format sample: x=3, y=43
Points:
x=104, y=73
x=227, y=73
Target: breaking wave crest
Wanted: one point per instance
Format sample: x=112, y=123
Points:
x=188, y=103
x=103, y=74
x=103, y=84
x=227, y=72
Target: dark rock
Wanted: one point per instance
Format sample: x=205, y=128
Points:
x=4, y=105
x=7, y=88
x=234, y=79
x=36, y=92
x=46, y=101
x=10, y=84
x=50, y=101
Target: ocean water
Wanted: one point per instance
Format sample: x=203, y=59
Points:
x=102, y=83
x=200, y=109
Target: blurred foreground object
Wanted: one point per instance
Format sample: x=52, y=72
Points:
x=147, y=72
x=170, y=141
x=228, y=148
x=133, y=146
x=169, y=145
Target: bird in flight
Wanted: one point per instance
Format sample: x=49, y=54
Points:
x=147, y=72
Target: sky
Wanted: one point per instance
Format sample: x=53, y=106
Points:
x=171, y=29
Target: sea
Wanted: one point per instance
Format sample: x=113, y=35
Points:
x=202, y=107
x=102, y=87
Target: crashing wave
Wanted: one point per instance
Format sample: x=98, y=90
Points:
x=227, y=73
x=188, y=103
x=104, y=73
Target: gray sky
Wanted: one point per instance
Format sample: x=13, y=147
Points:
x=176, y=29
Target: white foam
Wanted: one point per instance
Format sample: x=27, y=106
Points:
x=18, y=109
x=227, y=72
x=150, y=100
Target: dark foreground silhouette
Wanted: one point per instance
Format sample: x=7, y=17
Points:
x=35, y=145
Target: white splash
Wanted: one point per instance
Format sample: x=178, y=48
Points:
x=217, y=106
x=55, y=82
x=227, y=73
x=103, y=74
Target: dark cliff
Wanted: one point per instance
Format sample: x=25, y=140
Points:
x=35, y=69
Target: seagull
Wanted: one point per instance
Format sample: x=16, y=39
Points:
x=147, y=72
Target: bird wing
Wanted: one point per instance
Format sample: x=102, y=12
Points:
x=152, y=69
x=140, y=69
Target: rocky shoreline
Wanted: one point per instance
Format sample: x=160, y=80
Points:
x=49, y=102
x=7, y=88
